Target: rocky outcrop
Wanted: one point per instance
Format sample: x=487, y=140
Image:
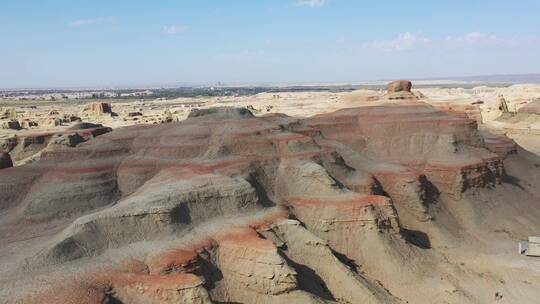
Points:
x=322, y=271
x=501, y=145
x=5, y=160
x=10, y=124
x=522, y=127
x=399, y=86
x=531, y=108
x=221, y=113
x=471, y=111
x=399, y=90
x=8, y=119
x=163, y=206
x=8, y=113
x=127, y=286
x=180, y=288
x=252, y=269
x=96, y=109
x=416, y=136
x=29, y=146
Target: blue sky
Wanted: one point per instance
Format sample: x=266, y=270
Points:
x=106, y=43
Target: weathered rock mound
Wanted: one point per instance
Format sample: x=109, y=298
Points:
x=221, y=113
x=96, y=109
x=531, y=108
x=399, y=86
x=399, y=90
x=29, y=146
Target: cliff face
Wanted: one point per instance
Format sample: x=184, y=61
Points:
x=228, y=207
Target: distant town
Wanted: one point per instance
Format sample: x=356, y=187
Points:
x=160, y=93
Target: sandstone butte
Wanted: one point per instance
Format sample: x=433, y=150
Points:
x=396, y=202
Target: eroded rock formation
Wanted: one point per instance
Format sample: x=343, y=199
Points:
x=96, y=109
x=399, y=86
x=400, y=90
x=531, y=108
x=29, y=146
x=226, y=207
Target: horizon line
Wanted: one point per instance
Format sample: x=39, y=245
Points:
x=449, y=79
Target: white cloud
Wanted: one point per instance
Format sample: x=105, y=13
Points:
x=473, y=38
x=341, y=39
x=483, y=39
x=91, y=21
x=402, y=42
x=408, y=41
x=311, y=3
x=174, y=29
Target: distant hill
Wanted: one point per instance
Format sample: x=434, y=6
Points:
x=515, y=78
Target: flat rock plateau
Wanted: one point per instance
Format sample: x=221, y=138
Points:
x=362, y=197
